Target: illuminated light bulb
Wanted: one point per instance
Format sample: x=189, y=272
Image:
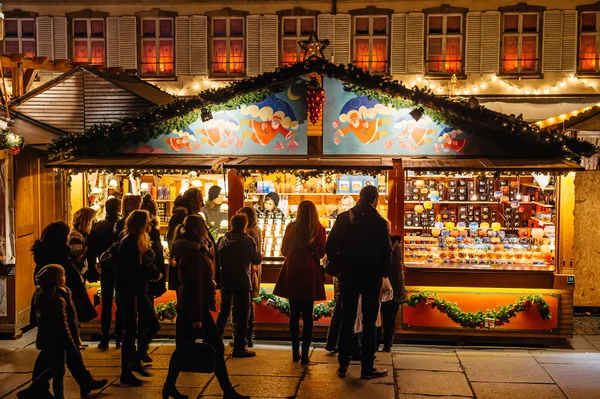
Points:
x=475, y=89
x=196, y=85
x=551, y=120
x=574, y=113
x=431, y=86
x=537, y=91
x=583, y=81
x=511, y=87
x=571, y=77
x=439, y=89
x=563, y=83
x=545, y=90
x=494, y=78
x=214, y=85
x=466, y=91
x=483, y=85
x=527, y=91
x=563, y=117
x=554, y=88
x=419, y=78
x=412, y=83
x=519, y=90
x=593, y=85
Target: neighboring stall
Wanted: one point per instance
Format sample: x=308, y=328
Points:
x=482, y=226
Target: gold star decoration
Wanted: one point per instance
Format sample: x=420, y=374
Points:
x=313, y=47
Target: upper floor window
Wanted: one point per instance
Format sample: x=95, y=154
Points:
x=157, y=47
x=444, y=43
x=88, y=41
x=227, y=46
x=371, y=42
x=19, y=36
x=589, y=34
x=294, y=29
x=520, y=42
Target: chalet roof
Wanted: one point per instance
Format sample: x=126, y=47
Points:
x=152, y=123
x=132, y=84
x=33, y=131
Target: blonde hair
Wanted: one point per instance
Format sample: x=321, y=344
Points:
x=136, y=225
x=83, y=218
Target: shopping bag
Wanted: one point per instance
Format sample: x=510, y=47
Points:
x=196, y=357
x=387, y=292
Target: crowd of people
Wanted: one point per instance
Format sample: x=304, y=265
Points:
x=125, y=253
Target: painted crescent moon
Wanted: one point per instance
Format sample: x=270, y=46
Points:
x=291, y=94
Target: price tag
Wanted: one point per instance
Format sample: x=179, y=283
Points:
x=571, y=279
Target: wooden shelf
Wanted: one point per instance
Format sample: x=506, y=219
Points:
x=540, y=221
x=542, y=204
x=307, y=194
x=549, y=188
x=164, y=201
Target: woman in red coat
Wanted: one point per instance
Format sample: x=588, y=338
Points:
x=301, y=279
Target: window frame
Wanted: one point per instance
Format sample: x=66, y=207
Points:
x=297, y=37
x=444, y=36
x=157, y=38
x=228, y=38
x=580, y=35
x=371, y=36
x=520, y=34
x=19, y=38
x=89, y=39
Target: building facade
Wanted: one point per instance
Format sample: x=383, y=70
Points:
x=512, y=56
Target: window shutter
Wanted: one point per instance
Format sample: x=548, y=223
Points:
x=473, y=43
x=398, y=45
x=44, y=37
x=269, y=47
x=253, y=45
x=325, y=26
x=341, y=38
x=490, y=42
x=569, y=44
x=112, y=42
x=59, y=27
x=128, y=42
x=415, y=28
x=198, y=45
x=182, y=45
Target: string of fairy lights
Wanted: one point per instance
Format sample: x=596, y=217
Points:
x=485, y=84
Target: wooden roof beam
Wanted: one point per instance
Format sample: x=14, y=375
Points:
x=39, y=63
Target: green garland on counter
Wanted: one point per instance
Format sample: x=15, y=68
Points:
x=104, y=139
x=477, y=320
x=283, y=305
x=166, y=311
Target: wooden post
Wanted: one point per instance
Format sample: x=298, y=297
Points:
x=396, y=197
x=235, y=192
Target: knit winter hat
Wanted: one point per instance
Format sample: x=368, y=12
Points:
x=49, y=276
x=274, y=197
x=213, y=192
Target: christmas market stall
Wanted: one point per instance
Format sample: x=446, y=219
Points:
x=476, y=195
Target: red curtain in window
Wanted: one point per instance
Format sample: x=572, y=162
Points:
x=587, y=53
x=434, y=55
x=379, y=55
x=361, y=58
x=80, y=51
x=452, y=63
x=219, y=56
x=289, y=52
x=148, y=57
x=165, y=63
x=29, y=48
x=510, y=55
x=97, y=52
x=528, y=53
x=11, y=46
x=236, y=56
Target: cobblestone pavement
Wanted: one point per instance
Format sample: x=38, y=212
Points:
x=416, y=371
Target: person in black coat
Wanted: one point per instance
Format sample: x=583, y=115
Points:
x=360, y=241
x=237, y=252
x=130, y=203
x=52, y=247
x=135, y=269
x=100, y=240
x=57, y=338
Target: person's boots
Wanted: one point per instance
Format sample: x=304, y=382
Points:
x=305, y=353
x=103, y=344
x=170, y=391
x=138, y=367
x=232, y=394
x=91, y=385
x=295, y=350
x=31, y=392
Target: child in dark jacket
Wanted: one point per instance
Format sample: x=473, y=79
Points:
x=237, y=253
x=57, y=338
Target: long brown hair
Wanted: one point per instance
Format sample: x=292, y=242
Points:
x=193, y=200
x=307, y=223
x=83, y=218
x=130, y=203
x=136, y=224
x=250, y=214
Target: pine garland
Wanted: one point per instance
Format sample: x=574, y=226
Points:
x=166, y=311
x=11, y=141
x=283, y=305
x=104, y=140
x=500, y=316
